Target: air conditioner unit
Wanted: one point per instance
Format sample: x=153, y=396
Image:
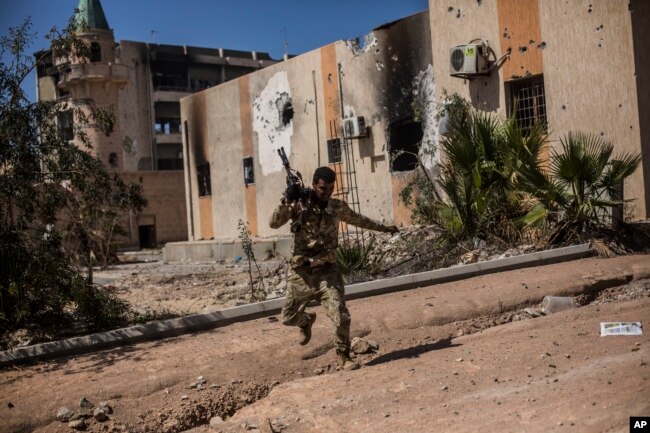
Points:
x=468, y=60
x=354, y=127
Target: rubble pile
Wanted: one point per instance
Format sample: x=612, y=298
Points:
x=421, y=248
x=85, y=416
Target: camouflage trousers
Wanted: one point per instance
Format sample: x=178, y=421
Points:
x=320, y=283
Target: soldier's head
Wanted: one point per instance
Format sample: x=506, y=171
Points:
x=323, y=183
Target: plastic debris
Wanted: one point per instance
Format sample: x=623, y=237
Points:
x=620, y=328
x=554, y=304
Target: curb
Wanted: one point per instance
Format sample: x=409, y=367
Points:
x=198, y=322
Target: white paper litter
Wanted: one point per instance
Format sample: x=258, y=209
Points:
x=620, y=328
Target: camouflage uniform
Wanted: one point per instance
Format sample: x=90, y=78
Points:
x=314, y=274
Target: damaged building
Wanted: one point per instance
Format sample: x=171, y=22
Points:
x=368, y=107
x=143, y=84
x=348, y=105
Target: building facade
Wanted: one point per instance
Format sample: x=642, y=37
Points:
x=579, y=66
x=143, y=84
x=349, y=105
x=576, y=66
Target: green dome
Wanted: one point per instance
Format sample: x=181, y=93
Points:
x=92, y=14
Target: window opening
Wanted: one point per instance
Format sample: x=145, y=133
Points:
x=95, y=52
x=147, y=235
x=66, y=131
x=528, y=101
x=405, y=140
x=249, y=172
x=334, y=150
x=60, y=92
x=203, y=173
x=287, y=113
x=112, y=159
x=167, y=126
x=285, y=110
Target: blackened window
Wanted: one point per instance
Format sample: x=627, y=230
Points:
x=528, y=101
x=287, y=113
x=249, y=173
x=203, y=173
x=405, y=140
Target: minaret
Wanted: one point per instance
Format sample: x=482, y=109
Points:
x=96, y=80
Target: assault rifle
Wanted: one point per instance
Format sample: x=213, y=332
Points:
x=296, y=190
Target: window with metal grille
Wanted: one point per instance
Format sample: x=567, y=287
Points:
x=528, y=101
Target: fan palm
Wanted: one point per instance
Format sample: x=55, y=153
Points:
x=580, y=185
x=486, y=159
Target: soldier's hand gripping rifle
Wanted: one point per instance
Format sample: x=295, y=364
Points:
x=295, y=190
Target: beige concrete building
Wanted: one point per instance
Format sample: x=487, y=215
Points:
x=143, y=84
x=233, y=131
x=577, y=65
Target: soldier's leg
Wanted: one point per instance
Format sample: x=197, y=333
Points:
x=300, y=292
x=333, y=302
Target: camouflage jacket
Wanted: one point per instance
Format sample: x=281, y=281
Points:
x=315, y=230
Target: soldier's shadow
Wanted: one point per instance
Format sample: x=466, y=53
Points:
x=411, y=352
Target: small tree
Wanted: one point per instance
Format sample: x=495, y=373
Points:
x=247, y=246
x=51, y=189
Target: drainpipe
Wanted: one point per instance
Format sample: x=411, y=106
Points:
x=152, y=113
x=313, y=77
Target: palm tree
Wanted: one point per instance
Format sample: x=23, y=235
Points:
x=486, y=160
x=580, y=185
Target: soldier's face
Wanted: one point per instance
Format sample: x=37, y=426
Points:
x=323, y=190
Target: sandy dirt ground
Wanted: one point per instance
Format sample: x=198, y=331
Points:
x=461, y=356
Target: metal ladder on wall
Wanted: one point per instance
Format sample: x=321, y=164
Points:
x=346, y=185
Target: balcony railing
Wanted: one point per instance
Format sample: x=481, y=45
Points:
x=96, y=71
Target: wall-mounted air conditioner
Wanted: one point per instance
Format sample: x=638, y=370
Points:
x=468, y=60
x=354, y=127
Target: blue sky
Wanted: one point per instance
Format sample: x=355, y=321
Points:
x=258, y=25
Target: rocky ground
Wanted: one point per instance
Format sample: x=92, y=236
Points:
x=473, y=354
x=157, y=289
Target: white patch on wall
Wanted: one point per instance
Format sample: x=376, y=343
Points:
x=272, y=130
x=424, y=98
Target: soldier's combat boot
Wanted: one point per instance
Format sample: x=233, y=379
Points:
x=345, y=362
x=305, y=330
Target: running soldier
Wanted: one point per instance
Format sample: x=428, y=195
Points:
x=314, y=274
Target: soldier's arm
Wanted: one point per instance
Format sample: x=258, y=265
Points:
x=356, y=219
x=283, y=213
